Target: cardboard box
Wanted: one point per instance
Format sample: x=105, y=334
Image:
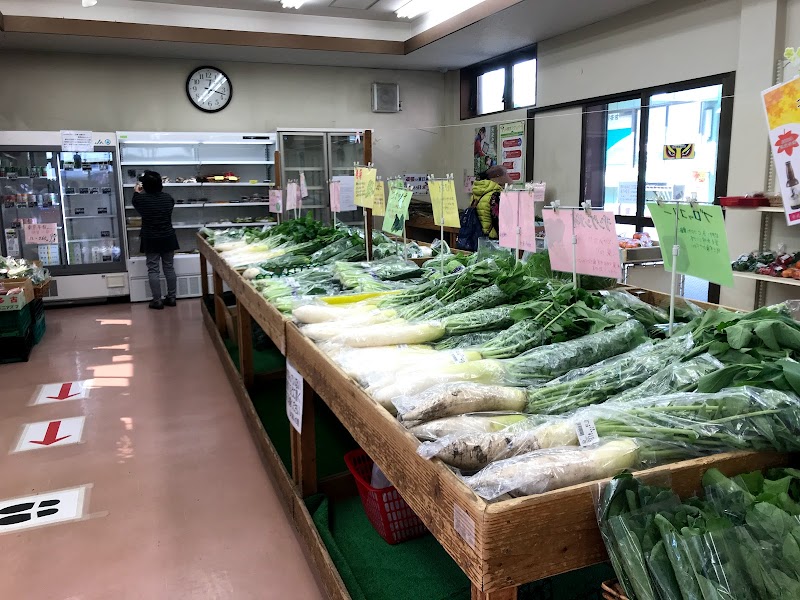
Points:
x=20, y=282
x=15, y=301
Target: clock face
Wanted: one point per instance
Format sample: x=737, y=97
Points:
x=209, y=89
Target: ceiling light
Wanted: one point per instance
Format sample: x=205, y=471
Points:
x=88, y=3
x=413, y=9
x=289, y=3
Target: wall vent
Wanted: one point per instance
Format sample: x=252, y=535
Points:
x=385, y=98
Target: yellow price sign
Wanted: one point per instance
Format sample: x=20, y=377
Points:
x=365, y=181
x=445, y=203
x=379, y=201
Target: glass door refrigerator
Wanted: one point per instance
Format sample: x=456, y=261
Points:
x=320, y=154
x=62, y=209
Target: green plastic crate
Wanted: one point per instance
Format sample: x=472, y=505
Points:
x=38, y=330
x=15, y=323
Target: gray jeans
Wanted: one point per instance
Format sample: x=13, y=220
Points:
x=153, y=272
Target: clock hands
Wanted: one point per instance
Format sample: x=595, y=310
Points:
x=216, y=92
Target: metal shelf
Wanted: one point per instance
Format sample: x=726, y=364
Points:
x=213, y=204
x=306, y=169
x=174, y=163
x=91, y=217
x=109, y=239
x=201, y=225
x=234, y=163
x=769, y=209
x=767, y=278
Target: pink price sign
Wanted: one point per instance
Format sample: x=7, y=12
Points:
x=275, y=201
x=293, y=200
x=597, y=249
x=42, y=233
x=517, y=213
x=336, y=196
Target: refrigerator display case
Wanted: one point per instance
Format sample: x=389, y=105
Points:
x=62, y=208
x=321, y=154
x=218, y=180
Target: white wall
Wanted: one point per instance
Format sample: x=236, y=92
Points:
x=112, y=93
x=557, y=136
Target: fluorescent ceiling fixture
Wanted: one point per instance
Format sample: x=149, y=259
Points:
x=291, y=3
x=88, y=3
x=440, y=9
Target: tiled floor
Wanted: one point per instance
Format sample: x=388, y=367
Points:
x=179, y=505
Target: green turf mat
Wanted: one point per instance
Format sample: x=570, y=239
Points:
x=375, y=570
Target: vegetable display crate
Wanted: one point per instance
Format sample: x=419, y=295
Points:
x=387, y=511
x=39, y=329
x=16, y=323
x=16, y=349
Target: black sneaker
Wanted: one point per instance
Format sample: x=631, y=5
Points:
x=157, y=305
x=170, y=302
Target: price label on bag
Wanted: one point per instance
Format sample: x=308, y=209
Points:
x=587, y=432
x=294, y=397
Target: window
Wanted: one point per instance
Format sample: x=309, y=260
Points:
x=504, y=83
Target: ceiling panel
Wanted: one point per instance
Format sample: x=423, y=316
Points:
x=356, y=4
x=354, y=9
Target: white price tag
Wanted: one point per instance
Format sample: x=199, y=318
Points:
x=587, y=432
x=77, y=141
x=459, y=356
x=294, y=397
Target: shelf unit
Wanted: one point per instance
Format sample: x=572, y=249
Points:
x=216, y=204
x=767, y=278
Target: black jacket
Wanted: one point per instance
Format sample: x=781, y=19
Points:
x=158, y=235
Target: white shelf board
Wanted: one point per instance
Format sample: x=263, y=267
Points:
x=173, y=163
x=769, y=209
x=305, y=169
x=105, y=239
x=201, y=184
x=768, y=278
x=234, y=163
x=90, y=217
x=201, y=225
x=213, y=205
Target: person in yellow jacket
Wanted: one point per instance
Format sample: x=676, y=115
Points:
x=486, y=198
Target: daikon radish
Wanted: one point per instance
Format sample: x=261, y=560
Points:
x=446, y=400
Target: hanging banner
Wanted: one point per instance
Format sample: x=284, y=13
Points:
x=335, y=195
x=365, y=186
x=702, y=239
x=517, y=212
x=397, y=210
x=558, y=232
x=276, y=201
x=379, y=202
x=347, y=184
x=782, y=105
x=445, y=203
x=512, y=149
x=292, y=195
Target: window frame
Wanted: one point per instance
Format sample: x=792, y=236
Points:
x=470, y=75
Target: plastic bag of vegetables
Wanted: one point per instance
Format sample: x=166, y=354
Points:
x=533, y=367
x=489, y=422
x=677, y=377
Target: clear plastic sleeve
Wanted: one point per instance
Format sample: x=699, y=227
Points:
x=450, y=399
x=487, y=422
x=466, y=340
x=647, y=314
x=545, y=470
x=596, y=383
x=677, y=377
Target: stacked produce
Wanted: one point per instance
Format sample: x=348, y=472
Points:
x=507, y=372
x=19, y=268
x=742, y=540
x=773, y=264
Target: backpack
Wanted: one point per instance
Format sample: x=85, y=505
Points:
x=471, y=229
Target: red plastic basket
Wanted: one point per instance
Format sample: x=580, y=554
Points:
x=386, y=510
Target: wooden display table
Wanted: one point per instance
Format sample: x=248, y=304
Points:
x=424, y=229
x=498, y=545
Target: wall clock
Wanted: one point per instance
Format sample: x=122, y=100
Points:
x=209, y=89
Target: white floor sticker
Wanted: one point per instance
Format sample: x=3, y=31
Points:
x=46, y=434
x=42, y=509
x=61, y=392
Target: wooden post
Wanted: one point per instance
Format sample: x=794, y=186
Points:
x=203, y=277
x=219, y=304
x=506, y=594
x=367, y=161
x=304, y=447
x=245, y=333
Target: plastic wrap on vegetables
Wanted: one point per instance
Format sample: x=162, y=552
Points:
x=596, y=383
x=530, y=368
x=450, y=399
x=487, y=422
x=465, y=340
x=673, y=378
x=471, y=451
x=647, y=314
x=546, y=470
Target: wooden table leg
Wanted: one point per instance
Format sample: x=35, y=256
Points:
x=203, y=277
x=245, y=335
x=506, y=594
x=219, y=304
x=304, y=448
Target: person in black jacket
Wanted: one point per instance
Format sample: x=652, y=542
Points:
x=159, y=241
